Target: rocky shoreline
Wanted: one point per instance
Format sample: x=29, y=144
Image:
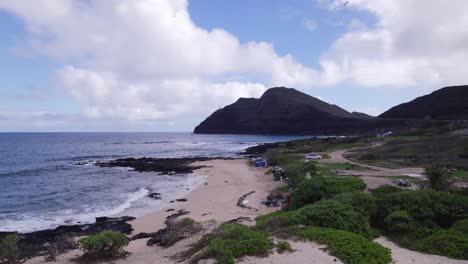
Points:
x=60, y=239
x=168, y=166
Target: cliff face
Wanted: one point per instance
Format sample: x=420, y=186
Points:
x=288, y=111
x=449, y=103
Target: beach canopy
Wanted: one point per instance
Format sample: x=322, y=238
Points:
x=260, y=163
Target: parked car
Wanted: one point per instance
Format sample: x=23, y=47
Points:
x=313, y=157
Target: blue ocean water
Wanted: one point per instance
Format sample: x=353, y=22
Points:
x=42, y=185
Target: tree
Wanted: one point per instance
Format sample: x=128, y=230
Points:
x=440, y=179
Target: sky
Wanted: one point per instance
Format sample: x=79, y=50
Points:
x=165, y=65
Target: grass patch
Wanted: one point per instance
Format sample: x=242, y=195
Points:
x=348, y=247
x=228, y=242
x=461, y=174
x=327, y=168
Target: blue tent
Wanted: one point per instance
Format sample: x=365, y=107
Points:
x=260, y=163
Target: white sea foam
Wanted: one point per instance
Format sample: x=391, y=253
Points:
x=137, y=204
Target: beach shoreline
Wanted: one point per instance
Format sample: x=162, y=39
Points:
x=214, y=200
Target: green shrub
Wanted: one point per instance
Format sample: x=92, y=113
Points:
x=399, y=221
x=348, y=247
x=310, y=167
x=385, y=190
x=318, y=188
x=103, y=245
x=9, y=249
x=283, y=246
x=426, y=207
x=326, y=213
x=440, y=179
x=363, y=202
x=451, y=243
x=295, y=173
x=230, y=241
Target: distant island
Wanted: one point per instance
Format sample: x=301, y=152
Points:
x=285, y=111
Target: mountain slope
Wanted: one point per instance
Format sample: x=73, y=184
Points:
x=288, y=111
x=449, y=103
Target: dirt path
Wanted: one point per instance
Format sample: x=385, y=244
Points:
x=338, y=157
x=373, y=176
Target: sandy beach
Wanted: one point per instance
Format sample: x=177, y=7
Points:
x=216, y=199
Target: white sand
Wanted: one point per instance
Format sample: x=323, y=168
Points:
x=406, y=256
x=304, y=252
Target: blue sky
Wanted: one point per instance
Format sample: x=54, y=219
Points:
x=68, y=68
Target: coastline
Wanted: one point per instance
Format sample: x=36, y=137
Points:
x=215, y=199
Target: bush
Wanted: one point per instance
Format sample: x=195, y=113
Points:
x=426, y=207
x=283, y=246
x=399, y=221
x=9, y=249
x=326, y=213
x=360, y=201
x=295, y=173
x=230, y=241
x=103, y=245
x=452, y=242
x=175, y=231
x=348, y=247
x=310, y=167
x=385, y=190
x=440, y=179
x=318, y=188
x=275, y=158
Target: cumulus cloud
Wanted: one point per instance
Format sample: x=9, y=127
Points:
x=413, y=43
x=147, y=60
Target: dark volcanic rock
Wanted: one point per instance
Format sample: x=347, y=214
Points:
x=156, y=196
x=164, y=166
x=36, y=243
x=449, y=103
x=288, y=111
x=179, y=213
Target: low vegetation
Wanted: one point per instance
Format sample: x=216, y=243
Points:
x=9, y=250
x=412, y=151
x=228, y=242
x=106, y=244
x=318, y=188
x=348, y=247
x=328, y=168
x=440, y=179
x=326, y=213
x=283, y=246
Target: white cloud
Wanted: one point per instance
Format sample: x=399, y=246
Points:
x=310, y=24
x=147, y=60
x=414, y=43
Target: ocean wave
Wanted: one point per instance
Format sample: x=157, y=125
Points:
x=33, y=222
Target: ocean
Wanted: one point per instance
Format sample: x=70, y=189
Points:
x=43, y=185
